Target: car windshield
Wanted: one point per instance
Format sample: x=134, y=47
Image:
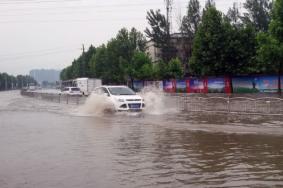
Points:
x=75, y=89
x=121, y=91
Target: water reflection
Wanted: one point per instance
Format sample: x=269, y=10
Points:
x=178, y=158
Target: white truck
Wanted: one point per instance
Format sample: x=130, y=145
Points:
x=87, y=85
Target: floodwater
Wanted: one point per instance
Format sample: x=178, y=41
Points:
x=45, y=144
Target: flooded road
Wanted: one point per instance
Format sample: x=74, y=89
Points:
x=44, y=144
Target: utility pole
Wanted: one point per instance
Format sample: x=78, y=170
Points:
x=82, y=70
x=83, y=48
x=168, y=4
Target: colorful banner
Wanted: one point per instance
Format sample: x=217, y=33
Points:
x=267, y=84
x=181, y=86
x=197, y=85
x=154, y=84
x=245, y=84
x=216, y=85
x=255, y=84
x=169, y=86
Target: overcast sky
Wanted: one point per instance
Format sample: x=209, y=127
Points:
x=49, y=34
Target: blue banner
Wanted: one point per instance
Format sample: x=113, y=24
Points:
x=181, y=86
x=216, y=85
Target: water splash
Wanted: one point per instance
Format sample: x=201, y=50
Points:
x=157, y=103
x=96, y=105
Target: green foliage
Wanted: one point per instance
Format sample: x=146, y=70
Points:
x=233, y=14
x=209, y=44
x=8, y=82
x=111, y=62
x=269, y=53
x=258, y=14
x=123, y=58
x=220, y=48
x=175, y=69
x=80, y=67
x=270, y=45
x=159, y=34
x=276, y=25
x=191, y=21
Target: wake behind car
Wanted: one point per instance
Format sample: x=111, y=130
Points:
x=122, y=98
x=73, y=91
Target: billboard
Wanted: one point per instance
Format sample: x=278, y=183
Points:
x=255, y=84
x=181, y=86
x=219, y=85
x=196, y=85
x=267, y=84
x=169, y=86
x=154, y=84
x=216, y=85
x=245, y=84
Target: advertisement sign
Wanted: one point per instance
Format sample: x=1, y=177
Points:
x=267, y=84
x=255, y=84
x=196, y=85
x=169, y=86
x=245, y=84
x=181, y=86
x=138, y=85
x=216, y=85
x=154, y=84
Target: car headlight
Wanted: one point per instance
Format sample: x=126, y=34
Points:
x=121, y=100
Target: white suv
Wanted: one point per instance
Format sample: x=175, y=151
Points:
x=122, y=97
x=74, y=91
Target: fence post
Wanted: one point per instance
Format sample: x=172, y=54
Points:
x=228, y=104
x=269, y=106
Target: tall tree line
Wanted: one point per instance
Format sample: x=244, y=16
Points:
x=235, y=43
x=8, y=82
x=123, y=59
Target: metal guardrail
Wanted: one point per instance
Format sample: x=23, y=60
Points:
x=54, y=97
x=240, y=105
x=193, y=103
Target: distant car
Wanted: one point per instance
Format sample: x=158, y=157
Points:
x=73, y=91
x=122, y=97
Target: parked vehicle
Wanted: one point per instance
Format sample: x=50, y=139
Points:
x=122, y=97
x=73, y=91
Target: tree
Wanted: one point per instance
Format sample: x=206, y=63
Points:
x=209, y=45
x=159, y=34
x=175, y=69
x=220, y=48
x=119, y=60
x=209, y=3
x=233, y=15
x=142, y=67
x=191, y=21
x=258, y=14
x=270, y=48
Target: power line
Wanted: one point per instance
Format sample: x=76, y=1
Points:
x=16, y=57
